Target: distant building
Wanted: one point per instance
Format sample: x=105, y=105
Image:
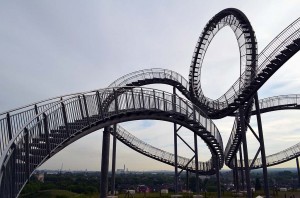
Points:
x=120, y=171
x=40, y=177
x=142, y=189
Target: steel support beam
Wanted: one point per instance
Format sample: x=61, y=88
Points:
x=233, y=177
x=242, y=168
x=113, y=166
x=175, y=145
x=237, y=184
x=104, y=163
x=175, y=160
x=187, y=180
x=255, y=157
x=262, y=147
x=245, y=149
x=196, y=164
x=298, y=169
x=218, y=178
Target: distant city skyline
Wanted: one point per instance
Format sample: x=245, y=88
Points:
x=52, y=48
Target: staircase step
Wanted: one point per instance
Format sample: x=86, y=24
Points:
x=297, y=41
x=42, y=146
x=292, y=47
x=287, y=52
x=276, y=61
x=37, y=151
x=22, y=166
x=53, y=135
x=32, y=158
x=281, y=57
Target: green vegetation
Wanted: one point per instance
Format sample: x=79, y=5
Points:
x=57, y=194
x=87, y=184
x=78, y=184
x=67, y=194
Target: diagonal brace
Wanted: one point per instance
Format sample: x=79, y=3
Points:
x=251, y=129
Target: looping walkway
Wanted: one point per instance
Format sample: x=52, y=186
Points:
x=32, y=134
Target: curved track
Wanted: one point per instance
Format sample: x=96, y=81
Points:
x=284, y=102
x=205, y=168
x=280, y=50
x=32, y=134
x=70, y=119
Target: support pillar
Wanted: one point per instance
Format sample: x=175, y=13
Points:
x=113, y=166
x=196, y=164
x=176, y=159
x=245, y=149
x=175, y=147
x=298, y=169
x=104, y=163
x=242, y=169
x=234, y=177
x=218, y=178
x=187, y=180
x=237, y=183
x=262, y=147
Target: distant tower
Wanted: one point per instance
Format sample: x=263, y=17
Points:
x=124, y=167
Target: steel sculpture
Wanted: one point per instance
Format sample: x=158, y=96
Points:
x=32, y=134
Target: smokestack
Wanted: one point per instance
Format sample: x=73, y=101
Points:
x=124, y=167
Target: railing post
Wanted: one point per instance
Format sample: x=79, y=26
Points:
x=116, y=100
x=262, y=147
x=9, y=129
x=27, y=163
x=143, y=99
x=113, y=168
x=46, y=130
x=63, y=109
x=99, y=102
x=38, y=119
x=165, y=106
x=133, y=100
x=154, y=99
x=80, y=107
x=104, y=163
x=86, y=110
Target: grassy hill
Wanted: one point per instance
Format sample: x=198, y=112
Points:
x=57, y=194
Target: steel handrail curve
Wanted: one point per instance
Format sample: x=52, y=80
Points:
x=122, y=132
x=275, y=52
x=22, y=117
x=165, y=98
x=236, y=89
x=236, y=20
x=270, y=104
x=276, y=158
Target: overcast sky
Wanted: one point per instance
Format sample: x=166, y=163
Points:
x=50, y=48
